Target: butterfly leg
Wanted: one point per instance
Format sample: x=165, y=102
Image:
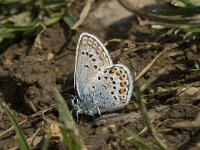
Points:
x=72, y=111
x=77, y=113
x=95, y=107
x=77, y=116
x=98, y=110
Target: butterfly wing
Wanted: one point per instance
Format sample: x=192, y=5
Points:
x=110, y=90
x=91, y=58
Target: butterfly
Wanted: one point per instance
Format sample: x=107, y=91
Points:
x=101, y=85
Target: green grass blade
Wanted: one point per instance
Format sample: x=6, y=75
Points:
x=8, y=1
x=6, y=35
x=137, y=141
x=21, y=139
x=26, y=16
x=51, y=2
x=184, y=18
x=188, y=11
x=64, y=112
x=138, y=92
x=190, y=2
x=72, y=140
x=19, y=28
x=45, y=145
x=55, y=18
x=69, y=19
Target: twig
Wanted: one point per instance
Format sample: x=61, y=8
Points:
x=175, y=45
x=30, y=139
x=25, y=120
x=11, y=128
x=83, y=14
x=112, y=40
x=14, y=148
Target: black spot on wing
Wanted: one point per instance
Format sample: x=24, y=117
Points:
x=86, y=66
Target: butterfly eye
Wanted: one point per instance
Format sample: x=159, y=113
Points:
x=75, y=101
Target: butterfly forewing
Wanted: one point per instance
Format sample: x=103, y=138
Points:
x=91, y=57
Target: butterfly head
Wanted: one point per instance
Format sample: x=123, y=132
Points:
x=80, y=107
x=75, y=102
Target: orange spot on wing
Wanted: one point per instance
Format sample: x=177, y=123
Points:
x=121, y=77
x=122, y=84
x=122, y=91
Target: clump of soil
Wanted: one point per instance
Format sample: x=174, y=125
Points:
x=36, y=77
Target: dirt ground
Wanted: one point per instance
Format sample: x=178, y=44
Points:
x=29, y=71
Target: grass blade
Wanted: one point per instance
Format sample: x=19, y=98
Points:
x=55, y=18
x=185, y=18
x=70, y=133
x=46, y=142
x=22, y=17
x=137, y=141
x=144, y=113
x=21, y=139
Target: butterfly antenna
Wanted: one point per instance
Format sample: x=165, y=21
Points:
x=69, y=96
